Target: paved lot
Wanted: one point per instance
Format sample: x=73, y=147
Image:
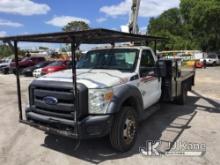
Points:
x=196, y=122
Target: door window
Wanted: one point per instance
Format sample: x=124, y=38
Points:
x=147, y=63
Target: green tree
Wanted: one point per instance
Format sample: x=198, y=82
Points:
x=76, y=26
x=168, y=21
x=186, y=7
x=195, y=25
x=170, y=24
x=5, y=51
x=206, y=23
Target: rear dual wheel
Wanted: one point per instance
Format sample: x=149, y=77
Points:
x=181, y=100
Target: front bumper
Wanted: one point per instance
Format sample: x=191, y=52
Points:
x=86, y=128
x=210, y=62
x=4, y=70
x=36, y=74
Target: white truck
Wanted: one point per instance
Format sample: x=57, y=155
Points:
x=117, y=88
x=108, y=92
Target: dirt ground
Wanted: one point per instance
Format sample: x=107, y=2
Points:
x=196, y=122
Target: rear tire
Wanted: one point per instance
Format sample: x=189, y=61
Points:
x=181, y=100
x=124, y=129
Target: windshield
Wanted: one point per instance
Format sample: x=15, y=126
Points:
x=120, y=59
x=24, y=59
x=42, y=64
x=7, y=61
x=211, y=56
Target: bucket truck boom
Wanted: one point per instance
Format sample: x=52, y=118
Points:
x=133, y=21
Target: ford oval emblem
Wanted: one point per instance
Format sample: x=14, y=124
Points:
x=50, y=100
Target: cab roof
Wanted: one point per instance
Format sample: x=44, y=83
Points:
x=120, y=47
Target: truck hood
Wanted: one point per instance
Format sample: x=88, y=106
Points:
x=92, y=78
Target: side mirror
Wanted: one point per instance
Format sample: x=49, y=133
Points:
x=144, y=71
x=161, y=69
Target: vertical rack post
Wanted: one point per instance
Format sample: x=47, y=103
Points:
x=74, y=79
x=155, y=47
x=18, y=81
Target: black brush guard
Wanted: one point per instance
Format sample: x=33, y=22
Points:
x=72, y=134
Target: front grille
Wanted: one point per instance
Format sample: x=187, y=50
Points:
x=63, y=92
x=63, y=109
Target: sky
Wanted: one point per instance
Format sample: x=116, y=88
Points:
x=39, y=16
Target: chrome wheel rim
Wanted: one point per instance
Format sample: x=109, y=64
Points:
x=129, y=130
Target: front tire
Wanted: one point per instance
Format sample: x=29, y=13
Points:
x=6, y=71
x=124, y=129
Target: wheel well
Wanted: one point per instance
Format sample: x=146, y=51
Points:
x=132, y=102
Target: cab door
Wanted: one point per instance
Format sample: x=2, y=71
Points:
x=150, y=85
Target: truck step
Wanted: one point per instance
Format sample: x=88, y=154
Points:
x=149, y=111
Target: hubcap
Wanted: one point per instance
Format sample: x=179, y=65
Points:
x=129, y=129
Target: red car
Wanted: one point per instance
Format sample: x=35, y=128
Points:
x=56, y=66
x=199, y=64
x=26, y=62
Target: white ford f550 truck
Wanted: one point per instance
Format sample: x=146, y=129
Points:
x=116, y=87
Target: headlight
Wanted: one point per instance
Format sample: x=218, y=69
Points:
x=99, y=100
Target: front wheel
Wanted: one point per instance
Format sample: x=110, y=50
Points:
x=6, y=71
x=124, y=129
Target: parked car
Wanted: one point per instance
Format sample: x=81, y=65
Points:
x=29, y=70
x=199, y=64
x=4, y=67
x=26, y=62
x=2, y=60
x=56, y=66
x=6, y=62
x=37, y=72
x=212, y=59
x=218, y=53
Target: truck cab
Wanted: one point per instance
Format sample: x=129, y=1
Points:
x=113, y=68
x=116, y=89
